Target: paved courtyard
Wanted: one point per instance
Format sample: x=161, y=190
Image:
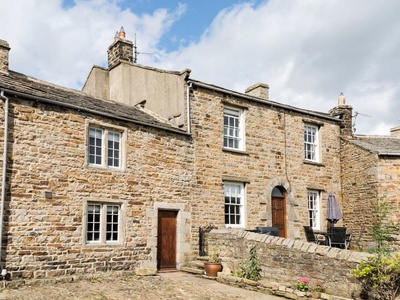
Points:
x=175, y=285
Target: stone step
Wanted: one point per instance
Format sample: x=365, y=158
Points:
x=196, y=264
x=192, y=270
x=203, y=258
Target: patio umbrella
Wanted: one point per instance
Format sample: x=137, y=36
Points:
x=333, y=213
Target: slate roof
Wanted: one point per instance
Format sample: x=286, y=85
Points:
x=382, y=145
x=28, y=86
x=267, y=102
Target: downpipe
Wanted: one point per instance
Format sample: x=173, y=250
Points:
x=4, y=181
x=189, y=86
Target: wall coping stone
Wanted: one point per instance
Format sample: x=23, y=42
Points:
x=340, y=254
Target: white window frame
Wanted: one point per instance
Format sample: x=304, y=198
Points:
x=311, y=143
x=234, y=191
x=314, y=209
x=233, y=133
x=104, y=134
x=102, y=230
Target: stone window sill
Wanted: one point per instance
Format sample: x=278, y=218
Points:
x=235, y=151
x=314, y=163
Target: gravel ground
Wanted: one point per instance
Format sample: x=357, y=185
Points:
x=174, y=285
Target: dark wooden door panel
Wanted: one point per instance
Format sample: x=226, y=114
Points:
x=166, y=241
x=279, y=215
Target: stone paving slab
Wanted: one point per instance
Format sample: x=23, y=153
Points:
x=173, y=285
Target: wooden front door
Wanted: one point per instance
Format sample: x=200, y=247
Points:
x=166, y=241
x=278, y=209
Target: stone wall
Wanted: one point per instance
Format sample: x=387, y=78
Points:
x=389, y=190
x=49, y=183
x=360, y=188
x=284, y=261
x=365, y=178
x=273, y=156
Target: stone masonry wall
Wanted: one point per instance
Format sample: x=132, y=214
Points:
x=360, y=187
x=389, y=190
x=367, y=177
x=284, y=261
x=274, y=156
x=45, y=231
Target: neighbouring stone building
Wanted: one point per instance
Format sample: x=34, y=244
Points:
x=371, y=171
x=122, y=175
x=86, y=180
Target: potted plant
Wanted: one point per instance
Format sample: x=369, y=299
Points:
x=213, y=265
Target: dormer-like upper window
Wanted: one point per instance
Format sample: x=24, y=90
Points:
x=311, y=143
x=233, y=128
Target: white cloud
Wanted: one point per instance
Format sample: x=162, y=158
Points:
x=308, y=52
x=61, y=45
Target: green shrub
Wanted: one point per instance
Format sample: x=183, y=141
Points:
x=380, y=274
x=379, y=277
x=250, y=267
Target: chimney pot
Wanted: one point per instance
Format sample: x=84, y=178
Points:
x=122, y=33
x=341, y=100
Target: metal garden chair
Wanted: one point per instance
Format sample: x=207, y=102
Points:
x=338, y=238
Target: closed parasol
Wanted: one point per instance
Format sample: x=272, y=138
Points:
x=333, y=213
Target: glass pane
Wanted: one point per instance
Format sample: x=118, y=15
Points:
x=95, y=145
x=112, y=223
x=113, y=149
x=276, y=192
x=93, y=223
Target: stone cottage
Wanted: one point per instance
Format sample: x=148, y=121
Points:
x=88, y=182
x=257, y=162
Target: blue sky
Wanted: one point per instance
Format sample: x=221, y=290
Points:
x=197, y=17
x=307, y=51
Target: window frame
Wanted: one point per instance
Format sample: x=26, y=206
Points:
x=242, y=204
x=314, y=211
x=103, y=222
x=107, y=131
x=238, y=114
x=311, y=148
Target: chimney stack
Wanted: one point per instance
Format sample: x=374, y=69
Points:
x=121, y=50
x=4, y=51
x=259, y=90
x=345, y=114
x=395, y=131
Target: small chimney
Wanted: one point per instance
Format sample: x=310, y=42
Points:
x=121, y=50
x=259, y=90
x=395, y=131
x=4, y=51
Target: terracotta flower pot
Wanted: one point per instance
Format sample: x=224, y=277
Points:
x=212, y=268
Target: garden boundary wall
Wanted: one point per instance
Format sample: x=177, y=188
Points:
x=284, y=261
